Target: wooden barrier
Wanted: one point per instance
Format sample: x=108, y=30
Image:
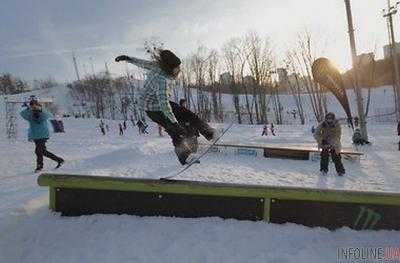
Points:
x=298, y=153
x=75, y=195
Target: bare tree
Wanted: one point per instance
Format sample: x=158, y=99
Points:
x=294, y=85
x=260, y=62
x=10, y=84
x=301, y=58
x=232, y=64
x=213, y=60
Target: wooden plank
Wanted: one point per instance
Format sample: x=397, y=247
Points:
x=277, y=148
x=286, y=154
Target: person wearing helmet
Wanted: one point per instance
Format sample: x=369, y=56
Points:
x=328, y=135
x=39, y=132
x=154, y=99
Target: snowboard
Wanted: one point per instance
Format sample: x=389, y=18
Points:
x=201, y=155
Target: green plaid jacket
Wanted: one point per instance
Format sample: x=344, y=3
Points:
x=155, y=93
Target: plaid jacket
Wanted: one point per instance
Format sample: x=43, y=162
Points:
x=155, y=93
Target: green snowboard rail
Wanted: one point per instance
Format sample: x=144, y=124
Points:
x=75, y=195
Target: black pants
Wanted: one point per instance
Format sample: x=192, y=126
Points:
x=41, y=151
x=336, y=158
x=189, y=124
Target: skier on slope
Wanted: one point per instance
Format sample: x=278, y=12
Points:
x=328, y=135
x=154, y=99
x=39, y=132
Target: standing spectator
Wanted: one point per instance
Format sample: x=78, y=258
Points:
x=265, y=130
x=294, y=113
x=102, y=129
x=160, y=129
x=142, y=127
x=121, y=129
x=398, y=132
x=328, y=135
x=39, y=133
x=273, y=129
x=124, y=123
x=133, y=121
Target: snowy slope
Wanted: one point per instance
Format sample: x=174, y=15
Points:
x=29, y=232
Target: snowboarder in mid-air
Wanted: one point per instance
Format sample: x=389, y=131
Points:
x=328, y=135
x=154, y=99
x=39, y=132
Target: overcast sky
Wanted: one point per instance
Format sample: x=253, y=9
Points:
x=37, y=37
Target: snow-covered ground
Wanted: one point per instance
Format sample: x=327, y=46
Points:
x=29, y=232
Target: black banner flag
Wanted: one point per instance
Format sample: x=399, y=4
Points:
x=327, y=75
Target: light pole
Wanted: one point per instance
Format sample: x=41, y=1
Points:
x=359, y=97
x=388, y=14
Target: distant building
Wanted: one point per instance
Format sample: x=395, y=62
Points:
x=282, y=75
x=365, y=59
x=387, y=48
x=226, y=78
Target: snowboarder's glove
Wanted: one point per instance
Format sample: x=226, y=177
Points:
x=122, y=58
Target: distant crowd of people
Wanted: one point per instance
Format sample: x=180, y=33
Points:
x=122, y=127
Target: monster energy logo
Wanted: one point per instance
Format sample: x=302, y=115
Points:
x=366, y=219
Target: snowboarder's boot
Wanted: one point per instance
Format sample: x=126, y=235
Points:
x=183, y=151
x=341, y=174
x=324, y=172
x=207, y=131
x=193, y=143
x=38, y=169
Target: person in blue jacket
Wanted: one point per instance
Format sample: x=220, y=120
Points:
x=39, y=133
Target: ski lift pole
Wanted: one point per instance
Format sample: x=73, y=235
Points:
x=359, y=97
